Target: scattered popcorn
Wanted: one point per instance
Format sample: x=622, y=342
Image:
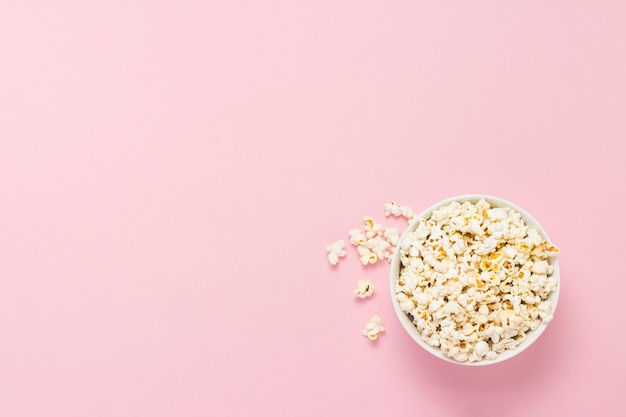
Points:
x=474, y=279
x=373, y=328
x=373, y=243
x=364, y=289
x=335, y=251
x=394, y=209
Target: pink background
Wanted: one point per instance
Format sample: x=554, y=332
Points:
x=170, y=172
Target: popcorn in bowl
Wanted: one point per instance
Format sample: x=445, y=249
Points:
x=475, y=279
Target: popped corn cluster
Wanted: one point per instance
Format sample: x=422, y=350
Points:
x=475, y=279
x=373, y=243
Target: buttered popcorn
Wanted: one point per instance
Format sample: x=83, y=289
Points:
x=475, y=279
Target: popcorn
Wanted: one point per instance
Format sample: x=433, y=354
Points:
x=406, y=304
x=481, y=348
x=335, y=251
x=366, y=255
x=371, y=226
x=373, y=243
x=423, y=299
x=540, y=267
x=364, y=289
x=373, y=328
x=392, y=235
x=394, y=209
x=378, y=245
x=357, y=237
x=406, y=212
x=475, y=279
x=545, y=311
x=498, y=214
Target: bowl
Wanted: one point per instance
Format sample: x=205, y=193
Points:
x=406, y=320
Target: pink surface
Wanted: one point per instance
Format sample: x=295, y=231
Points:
x=170, y=173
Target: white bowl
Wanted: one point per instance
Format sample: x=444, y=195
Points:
x=531, y=335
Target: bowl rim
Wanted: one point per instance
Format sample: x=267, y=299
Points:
x=532, y=335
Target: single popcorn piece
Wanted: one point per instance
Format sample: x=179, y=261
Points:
x=545, y=311
x=357, y=237
x=371, y=227
x=475, y=279
x=366, y=256
x=364, y=289
x=335, y=251
x=373, y=328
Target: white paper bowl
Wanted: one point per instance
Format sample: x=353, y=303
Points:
x=408, y=325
